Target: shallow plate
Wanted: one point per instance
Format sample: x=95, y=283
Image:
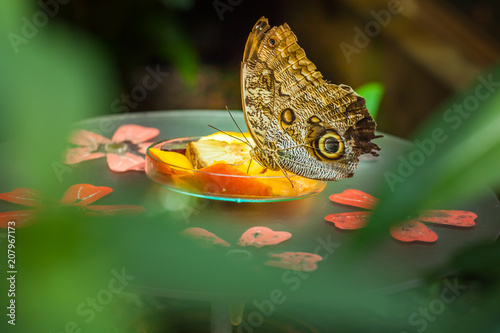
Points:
x=227, y=187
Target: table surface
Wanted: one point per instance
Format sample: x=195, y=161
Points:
x=167, y=265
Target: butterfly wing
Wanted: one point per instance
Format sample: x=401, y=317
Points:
x=257, y=85
x=319, y=129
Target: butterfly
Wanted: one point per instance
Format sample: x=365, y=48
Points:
x=299, y=122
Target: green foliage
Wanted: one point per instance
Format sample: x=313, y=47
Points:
x=10, y=12
x=373, y=93
x=55, y=79
x=177, y=47
x=462, y=154
x=453, y=160
x=174, y=44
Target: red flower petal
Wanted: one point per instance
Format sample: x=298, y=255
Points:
x=77, y=155
x=24, y=196
x=349, y=220
x=298, y=261
x=84, y=194
x=206, y=236
x=21, y=217
x=88, y=139
x=134, y=133
x=458, y=218
x=121, y=163
x=114, y=209
x=413, y=230
x=261, y=236
x=355, y=198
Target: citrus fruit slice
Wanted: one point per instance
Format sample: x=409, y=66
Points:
x=207, y=152
x=222, y=178
x=229, y=137
x=222, y=147
x=251, y=167
x=172, y=158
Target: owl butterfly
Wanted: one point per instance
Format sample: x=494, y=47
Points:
x=299, y=122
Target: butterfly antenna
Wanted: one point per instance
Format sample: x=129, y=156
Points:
x=234, y=137
x=249, y=164
x=286, y=175
x=234, y=121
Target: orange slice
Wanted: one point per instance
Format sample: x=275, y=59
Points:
x=172, y=158
x=217, y=178
x=223, y=147
x=203, y=153
x=229, y=137
x=255, y=168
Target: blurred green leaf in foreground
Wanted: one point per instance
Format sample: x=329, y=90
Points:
x=372, y=93
x=51, y=77
x=455, y=155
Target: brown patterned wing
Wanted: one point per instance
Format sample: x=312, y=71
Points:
x=300, y=122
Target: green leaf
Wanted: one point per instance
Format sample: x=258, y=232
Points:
x=176, y=46
x=455, y=156
x=11, y=12
x=373, y=93
x=55, y=79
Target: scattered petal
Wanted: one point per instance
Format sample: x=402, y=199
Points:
x=121, y=163
x=80, y=154
x=349, y=220
x=355, y=198
x=206, y=236
x=409, y=231
x=115, y=209
x=24, y=196
x=84, y=194
x=79, y=195
x=458, y=218
x=88, y=139
x=261, y=236
x=21, y=217
x=134, y=133
x=298, y=261
x=413, y=230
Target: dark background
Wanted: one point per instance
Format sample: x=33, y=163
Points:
x=424, y=55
